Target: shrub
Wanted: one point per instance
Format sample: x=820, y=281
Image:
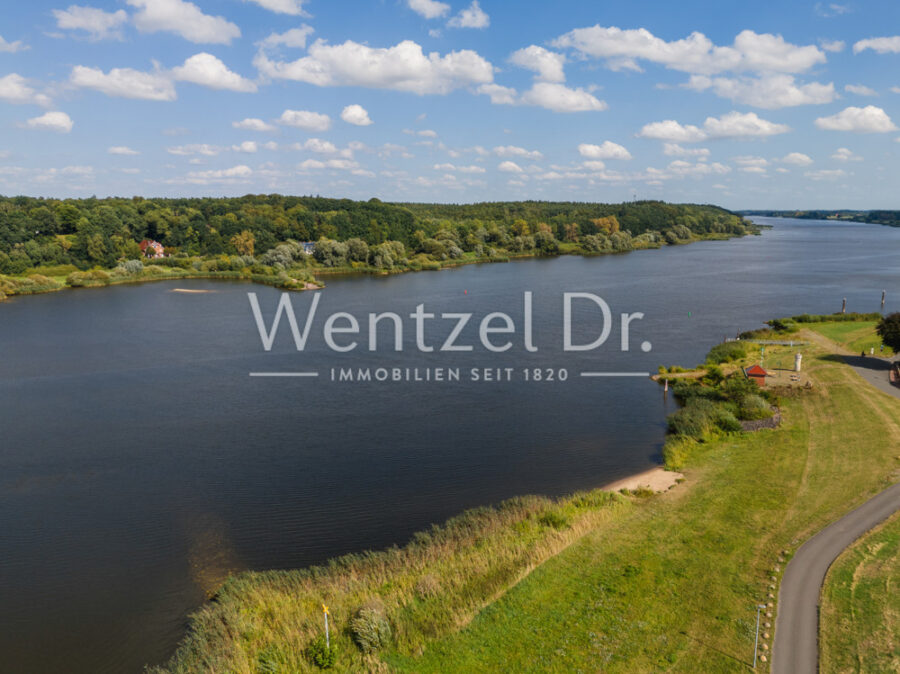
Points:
x=554, y=520
x=752, y=407
x=84, y=279
x=134, y=267
x=676, y=452
x=370, y=628
x=726, y=352
x=320, y=654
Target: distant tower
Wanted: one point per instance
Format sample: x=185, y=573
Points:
x=797, y=360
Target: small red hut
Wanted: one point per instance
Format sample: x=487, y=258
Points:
x=757, y=374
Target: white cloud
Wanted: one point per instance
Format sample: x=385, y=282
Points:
x=339, y=164
x=291, y=7
x=832, y=45
x=731, y=125
x=295, y=38
x=124, y=83
x=403, y=67
x=769, y=91
x=122, y=150
x=231, y=175
x=882, y=45
x=831, y=9
x=11, y=47
x=860, y=90
x=869, y=119
x=197, y=148
x=499, y=94
x=184, y=19
x=749, y=160
x=825, y=174
x=676, y=150
x=318, y=146
x=99, y=25
x=253, y=124
x=356, y=115
x=430, y=9
x=694, y=54
x=15, y=89
x=515, y=151
x=471, y=17
x=248, y=147
x=51, y=121
x=304, y=119
x=510, y=167
x=460, y=169
x=845, y=154
x=208, y=71
x=796, y=159
x=547, y=65
x=608, y=150
x=560, y=98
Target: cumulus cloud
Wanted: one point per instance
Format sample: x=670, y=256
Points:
x=208, y=71
x=403, y=67
x=124, y=83
x=51, y=121
x=515, y=151
x=184, y=19
x=547, y=65
x=510, y=167
x=560, y=98
x=304, y=119
x=860, y=90
x=826, y=174
x=870, y=119
x=460, y=169
x=676, y=150
x=608, y=150
x=253, y=124
x=230, y=175
x=832, y=45
x=291, y=7
x=471, y=17
x=11, y=47
x=295, y=38
x=356, y=115
x=99, y=25
x=845, y=154
x=430, y=9
x=796, y=159
x=881, y=45
x=339, y=164
x=122, y=150
x=731, y=125
x=197, y=148
x=769, y=91
x=15, y=89
x=694, y=54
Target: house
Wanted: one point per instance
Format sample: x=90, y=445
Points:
x=151, y=249
x=757, y=374
x=309, y=247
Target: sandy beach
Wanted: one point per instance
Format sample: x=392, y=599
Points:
x=658, y=479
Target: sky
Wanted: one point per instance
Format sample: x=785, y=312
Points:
x=775, y=105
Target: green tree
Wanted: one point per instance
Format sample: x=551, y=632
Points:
x=889, y=330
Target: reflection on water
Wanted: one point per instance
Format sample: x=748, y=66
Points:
x=139, y=464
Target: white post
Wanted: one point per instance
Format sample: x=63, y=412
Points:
x=759, y=607
x=328, y=636
x=797, y=361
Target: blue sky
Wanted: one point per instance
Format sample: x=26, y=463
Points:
x=748, y=105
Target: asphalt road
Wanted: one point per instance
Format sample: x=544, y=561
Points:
x=795, y=650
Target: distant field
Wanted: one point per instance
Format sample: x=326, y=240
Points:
x=861, y=605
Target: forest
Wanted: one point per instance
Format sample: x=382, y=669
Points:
x=889, y=218
x=263, y=232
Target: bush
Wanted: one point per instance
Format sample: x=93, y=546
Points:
x=554, y=520
x=370, y=628
x=676, y=452
x=134, y=267
x=726, y=352
x=84, y=279
x=754, y=407
x=320, y=654
x=700, y=418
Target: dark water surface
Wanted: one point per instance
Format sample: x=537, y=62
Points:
x=139, y=463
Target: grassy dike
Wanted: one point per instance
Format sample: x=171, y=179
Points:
x=596, y=581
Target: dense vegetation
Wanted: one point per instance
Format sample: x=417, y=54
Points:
x=890, y=218
x=237, y=233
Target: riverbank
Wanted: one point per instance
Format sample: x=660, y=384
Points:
x=42, y=280
x=634, y=581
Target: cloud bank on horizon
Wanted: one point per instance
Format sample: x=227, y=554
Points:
x=424, y=100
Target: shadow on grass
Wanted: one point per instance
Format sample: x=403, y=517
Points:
x=745, y=663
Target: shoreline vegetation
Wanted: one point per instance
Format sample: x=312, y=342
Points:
x=293, y=242
x=875, y=217
x=616, y=579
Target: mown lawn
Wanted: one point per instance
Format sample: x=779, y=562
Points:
x=855, y=336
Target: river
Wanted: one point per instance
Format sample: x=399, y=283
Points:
x=140, y=463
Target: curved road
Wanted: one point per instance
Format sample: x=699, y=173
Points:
x=795, y=650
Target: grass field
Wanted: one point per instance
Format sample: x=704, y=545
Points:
x=861, y=605
x=855, y=336
x=594, y=582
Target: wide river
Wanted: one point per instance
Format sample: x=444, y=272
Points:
x=140, y=464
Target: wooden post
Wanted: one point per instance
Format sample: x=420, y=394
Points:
x=844, y=306
x=883, y=292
